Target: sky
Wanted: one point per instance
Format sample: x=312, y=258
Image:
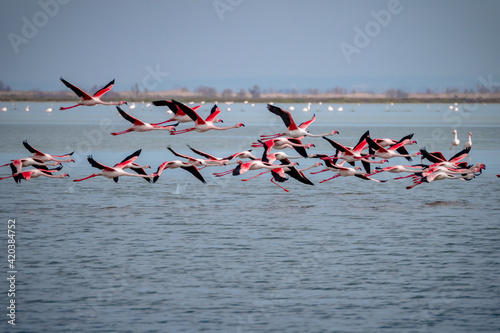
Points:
x=275, y=44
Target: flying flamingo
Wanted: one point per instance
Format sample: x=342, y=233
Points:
x=292, y=129
x=399, y=169
x=455, y=141
x=346, y=172
x=436, y=175
x=90, y=100
x=109, y=172
x=392, y=151
x=209, y=161
x=202, y=125
x=282, y=143
x=129, y=163
x=281, y=174
x=179, y=116
x=141, y=126
x=386, y=142
x=351, y=155
x=46, y=157
x=439, y=159
x=34, y=173
x=17, y=165
x=178, y=164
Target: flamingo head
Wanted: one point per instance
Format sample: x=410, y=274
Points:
x=454, y=131
x=417, y=153
x=309, y=145
x=240, y=125
x=64, y=175
x=334, y=132
x=384, y=161
x=358, y=168
x=70, y=160
x=412, y=142
x=122, y=102
x=218, y=120
x=317, y=164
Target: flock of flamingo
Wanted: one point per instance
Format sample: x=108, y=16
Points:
x=366, y=152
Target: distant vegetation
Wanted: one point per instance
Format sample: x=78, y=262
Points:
x=257, y=94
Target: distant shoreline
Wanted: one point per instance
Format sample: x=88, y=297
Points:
x=183, y=96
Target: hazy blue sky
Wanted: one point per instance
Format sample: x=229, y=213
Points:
x=238, y=43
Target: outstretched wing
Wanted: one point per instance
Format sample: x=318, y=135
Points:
x=434, y=157
x=213, y=113
x=285, y=116
x=79, y=92
x=201, y=153
x=132, y=157
x=105, y=89
x=31, y=149
x=195, y=172
x=97, y=164
x=188, y=111
x=128, y=117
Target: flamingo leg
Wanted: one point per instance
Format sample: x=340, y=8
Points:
x=69, y=107
x=316, y=172
x=223, y=173
x=272, y=181
x=325, y=180
x=122, y=132
x=244, y=180
x=94, y=175
x=182, y=131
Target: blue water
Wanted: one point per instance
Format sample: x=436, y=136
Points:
x=229, y=256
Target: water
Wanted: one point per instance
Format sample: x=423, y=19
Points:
x=231, y=256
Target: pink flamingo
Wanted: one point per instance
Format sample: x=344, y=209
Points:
x=292, y=129
x=88, y=100
x=34, y=173
x=178, y=164
x=17, y=165
x=141, y=126
x=210, y=161
x=110, y=172
x=346, y=172
x=282, y=143
x=202, y=125
x=46, y=157
x=179, y=116
x=392, y=151
x=129, y=163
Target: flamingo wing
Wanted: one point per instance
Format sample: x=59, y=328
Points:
x=180, y=155
x=285, y=116
x=195, y=172
x=31, y=149
x=307, y=123
x=362, y=142
x=460, y=155
x=375, y=146
x=434, y=157
x=201, y=153
x=98, y=165
x=129, y=159
x=189, y=112
x=79, y=92
x=104, y=89
x=129, y=118
x=213, y=113
x=338, y=146
x=299, y=149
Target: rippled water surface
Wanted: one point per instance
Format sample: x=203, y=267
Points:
x=229, y=256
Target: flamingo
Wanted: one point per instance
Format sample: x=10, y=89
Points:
x=292, y=129
x=34, y=173
x=202, y=125
x=110, y=172
x=282, y=143
x=468, y=144
x=391, y=151
x=255, y=165
x=399, y=169
x=436, y=175
x=17, y=165
x=455, y=141
x=209, y=161
x=438, y=159
x=224, y=160
x=141, y=126
x=90, y=100
x=179, y=116
x=178, y=164
x=386, y=142
x=46, y=157
x=281, y=174
x=128, y=162
x=347, y=172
